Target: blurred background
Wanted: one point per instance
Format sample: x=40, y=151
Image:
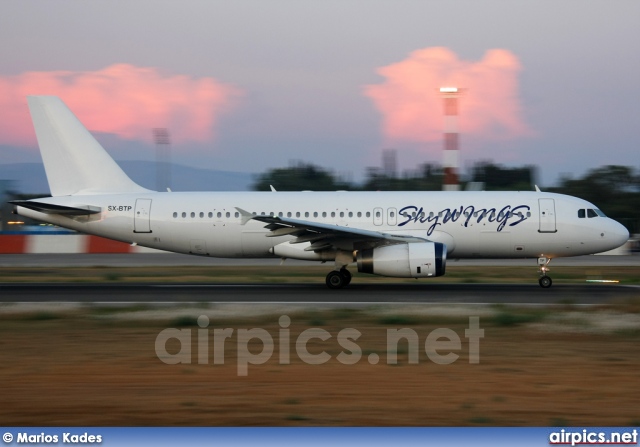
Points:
x=213, y=95
x=222, y=96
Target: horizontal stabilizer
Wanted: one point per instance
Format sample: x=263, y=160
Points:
x=49, y=208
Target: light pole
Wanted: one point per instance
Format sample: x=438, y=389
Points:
x=163, y=158
x=450, y=97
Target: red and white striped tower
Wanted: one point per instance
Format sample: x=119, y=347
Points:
x=451, y=138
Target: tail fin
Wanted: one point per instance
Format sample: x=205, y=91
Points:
x=74, y=161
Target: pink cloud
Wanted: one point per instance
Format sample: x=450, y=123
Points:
x=412, y=108
x=121, y=99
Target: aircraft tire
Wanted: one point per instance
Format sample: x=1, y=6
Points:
x=336, y=280
x=347, y=276
x=545, y=282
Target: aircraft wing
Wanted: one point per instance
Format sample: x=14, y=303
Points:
x=323, y=236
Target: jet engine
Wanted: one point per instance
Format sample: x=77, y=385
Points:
x=412, y=260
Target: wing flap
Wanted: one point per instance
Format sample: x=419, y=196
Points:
x=324, y=236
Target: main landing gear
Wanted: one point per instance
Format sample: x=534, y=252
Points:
x=337, y=279
x=545, y=281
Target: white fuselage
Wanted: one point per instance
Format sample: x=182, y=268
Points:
x=471, y=224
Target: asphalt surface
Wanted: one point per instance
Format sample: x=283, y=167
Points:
x=175, y=259
x=420, y=292
x=581, y=294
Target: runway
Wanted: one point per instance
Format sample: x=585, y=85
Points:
x=420, y=292
x=529, y=294
x=175, y=259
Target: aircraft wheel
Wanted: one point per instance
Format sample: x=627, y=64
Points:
x=336, y=280
x=545, y=282
x=347, y=276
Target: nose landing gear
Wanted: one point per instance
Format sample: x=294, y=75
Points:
x=544, y=281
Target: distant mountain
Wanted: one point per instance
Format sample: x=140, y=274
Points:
x=30, y=178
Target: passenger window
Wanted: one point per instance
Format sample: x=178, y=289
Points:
x=228, y=214
x=324, y=214
x=175, y=215
x=350, y=214
x=591, y=213
x=201, y=214
x=289, y=214
x=378, y=213
x=219, y=214
x=333, y=214
x=341, y=213
x=306, y=214
x=193, y=214
x=359, y=213
x=280, y=214
x=298, y=214
x=315, y=214
x=237, y=214
x=210, y=214
x=392, y=214
x=581, y=214
x=184, y=214
x=368, y=213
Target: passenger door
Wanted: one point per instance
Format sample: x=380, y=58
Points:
x=142, y=216
x=547, y=216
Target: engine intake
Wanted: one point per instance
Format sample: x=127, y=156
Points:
x=412, y=260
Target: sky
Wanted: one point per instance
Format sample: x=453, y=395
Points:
x=251, y=85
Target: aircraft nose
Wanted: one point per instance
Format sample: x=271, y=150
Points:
x=619, y=233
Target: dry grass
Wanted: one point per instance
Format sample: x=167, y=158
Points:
x=89, y=368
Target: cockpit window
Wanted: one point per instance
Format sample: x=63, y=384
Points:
x=591, y=213
x=581, y=214
x=600, y=213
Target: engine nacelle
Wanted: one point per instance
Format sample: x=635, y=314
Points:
x=413, y=260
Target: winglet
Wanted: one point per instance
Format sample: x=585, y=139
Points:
x=537, y=189
x=272, y=188
x=245, y=215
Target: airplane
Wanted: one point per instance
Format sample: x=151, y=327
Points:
x=394, y=234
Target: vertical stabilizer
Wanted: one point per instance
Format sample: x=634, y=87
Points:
x=74, y=161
